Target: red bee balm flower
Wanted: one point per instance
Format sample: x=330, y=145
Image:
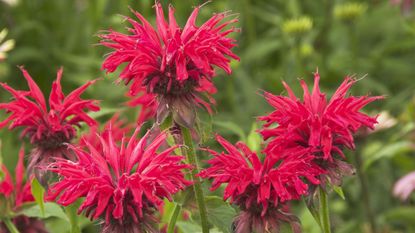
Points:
x=324, y=126
x=121, y=184
x=261, y=188
x=18, y=193
x=175, y=64
x=47, y=129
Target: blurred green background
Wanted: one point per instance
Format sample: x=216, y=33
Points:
x=280, y=40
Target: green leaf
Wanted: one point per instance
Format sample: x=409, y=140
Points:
x=104, y=112
x=57, y=225
x=71, y=212
x=188, y=227
x=204, y=128
x=38, y=193
x=232, y=127
x=220, y=213
x=167, y=211
x=254, y=139
x=285, y=228
x=10, y=225
x=388, y=151
x=262, y=49
x=50, y=210
x=339, y=191
x=313, y=206
x=402, y=214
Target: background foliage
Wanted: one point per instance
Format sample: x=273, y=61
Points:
x=375, y=40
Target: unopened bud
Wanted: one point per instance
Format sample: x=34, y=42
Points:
x=297, y=27
x=349, y=11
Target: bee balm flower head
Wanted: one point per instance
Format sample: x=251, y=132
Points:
x=47, y=128
x=261, y=189
x=325, y=127
x=122, y=184
x=176, y=64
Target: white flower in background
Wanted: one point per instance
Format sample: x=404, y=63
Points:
x=11, y=2
x=6, y=45
x=385, y=121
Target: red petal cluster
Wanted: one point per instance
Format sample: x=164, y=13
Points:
x=20, y=190
x=171, y=60
x=18, y=193
x=120, y=183
x=324, y=126
x=257, y=186
x=47, y=128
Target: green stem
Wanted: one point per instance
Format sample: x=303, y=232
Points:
x=197, y=188
x=10, y=225
x=249, y=21
x=174, y=217
x=365, y=191
x=324, y=211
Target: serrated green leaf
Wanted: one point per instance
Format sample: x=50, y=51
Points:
x=38, y=193
x=220, y=213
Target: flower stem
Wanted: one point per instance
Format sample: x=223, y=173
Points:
x=365, y=192
x=324, y=211
x=10, y=225
x=197, y=188
x=173, y=218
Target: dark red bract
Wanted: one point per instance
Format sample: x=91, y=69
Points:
x=122, y=184
x=176, y=64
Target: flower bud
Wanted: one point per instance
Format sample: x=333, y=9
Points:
x=297, y=27
x=350, y=11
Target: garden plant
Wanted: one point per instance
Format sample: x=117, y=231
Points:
x=268, y=116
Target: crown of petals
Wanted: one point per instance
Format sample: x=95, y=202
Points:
x=325, y=126
x=171, y=68
x=19, y=189
x=256, y=185
x=47, y=127
x=119, y=182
